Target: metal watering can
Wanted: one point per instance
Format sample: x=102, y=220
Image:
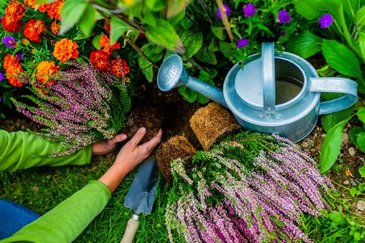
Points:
x=277, y=94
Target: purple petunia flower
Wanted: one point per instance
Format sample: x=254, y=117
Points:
x=242, y=43
x=325, y=21
x=2, y=77
x=19, y=55
x=9, y=41
x=227, y=10
x=249, y=10
x=284, y=17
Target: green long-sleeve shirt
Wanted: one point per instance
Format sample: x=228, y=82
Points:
x=21, y=150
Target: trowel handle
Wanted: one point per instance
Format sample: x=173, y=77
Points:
x=131, y=229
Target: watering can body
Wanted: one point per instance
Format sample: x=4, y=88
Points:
x=276, y=94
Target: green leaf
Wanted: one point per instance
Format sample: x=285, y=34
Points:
x=188, y=94
x=213, y=46
x=354, y=132
x=305, y=44
x=360, y=141
x=204, y=55
x=174, y=7
x=192, y=42
x=177, y=18
x=117, y=28
x=219, y=32
x=88, y=21
x=149, y=19
x=361, y=114
x=227, y=49
x=71, y=12
x=331, y=146
x=341, y=58
x=155, y=5
x=313, y=9
x=361, y=42
x=96, y=41
x=360, y=17
x=163, y=34
x=148, y=72
x=330, y=120
x=202, y=99
x=362, y=171
x=153, y=52
x=185, y=23
x=337, y=217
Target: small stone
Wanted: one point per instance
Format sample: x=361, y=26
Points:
x=352, y=151
x=345, y=138
x=360, y=205
x=353, y=183
x=346, y=182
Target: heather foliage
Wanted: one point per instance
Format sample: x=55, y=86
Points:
x=83, y=107
x=248, y=188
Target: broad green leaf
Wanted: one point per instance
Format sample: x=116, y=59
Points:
x=163, y=34
x=341, y=58
x=185, y=23
x=305, y=44
x=155, y=5
x=188, y=94
x=96, y=41
x=213, y=46
x=362, y=171
x=337, y=217
x=360, y=142
x=192, y=42
x=149, y=19
x=202, y=99
x=204, y=55
x=219, y=32
x=148, y=72
x=174, y=7
x=227, y=49
x=153, y=52
x=177, y=18
x=71, y=12
x=361, y=42
x=330, y=120
x=117, y=28
x=313, y=9
x=354, y=132
x=361, y=114
x=143, y=63
x=331, y=147
x=360, y=17
x=88, y=21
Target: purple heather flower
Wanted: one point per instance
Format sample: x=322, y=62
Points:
x=249, y=10
x=9, y=41
x=242, y=43
x=284, y=17
x=325, y=21
x=2, y=77
x=227, y=10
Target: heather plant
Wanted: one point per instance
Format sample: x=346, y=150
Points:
x=248, y=188
x=83, y=107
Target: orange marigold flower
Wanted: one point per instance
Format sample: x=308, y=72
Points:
x=10, y=25
x=15, y=11
x=33, y=29
x=54, y=10
x=65, y=49
x=30, y=3
x=100, y=60
x=46, y=71
x=120, y=67
x=10, y=61
x=12, y=76
x=55, y=28
x=105, y=45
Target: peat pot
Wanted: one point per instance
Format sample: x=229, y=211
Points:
x=270, y=93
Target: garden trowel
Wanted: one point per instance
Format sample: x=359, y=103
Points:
x=141, y=195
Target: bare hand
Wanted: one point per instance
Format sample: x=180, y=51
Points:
x=130, y=155
x=107, y=146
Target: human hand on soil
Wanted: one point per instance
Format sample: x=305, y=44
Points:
x=107, y=146
x=130, y=155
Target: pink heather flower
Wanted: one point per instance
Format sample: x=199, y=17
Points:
x=284, y=17
x=242, y=43
x=249, y=10
x=325, y=21
x=227, y=10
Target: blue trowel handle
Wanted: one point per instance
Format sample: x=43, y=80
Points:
x=130, y=231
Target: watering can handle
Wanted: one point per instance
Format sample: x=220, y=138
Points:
x=268, y=76
x=335, y=85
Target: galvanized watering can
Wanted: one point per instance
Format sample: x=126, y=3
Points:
x=278, y=94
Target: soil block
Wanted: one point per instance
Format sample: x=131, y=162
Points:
x=174, y=148
x=209, y=123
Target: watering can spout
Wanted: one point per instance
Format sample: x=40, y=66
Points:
x=172, y=74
